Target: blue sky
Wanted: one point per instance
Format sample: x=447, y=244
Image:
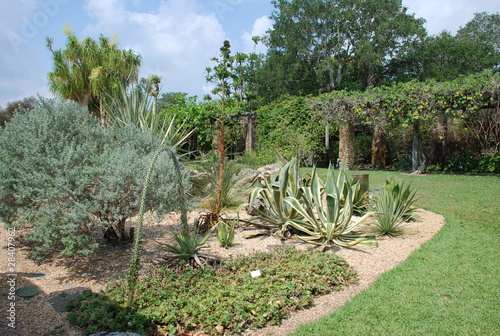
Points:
x=176, y=38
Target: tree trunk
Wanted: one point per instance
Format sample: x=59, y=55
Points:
x=222, y=154
x=417, y=155
x=444, y=142
x=249, y=143
x=346, y=146
x=124, y=236
x=327, y=136
x=379, y=147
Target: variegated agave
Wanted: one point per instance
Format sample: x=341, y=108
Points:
x=318, y=213
x=326, y=219
x=274, y=214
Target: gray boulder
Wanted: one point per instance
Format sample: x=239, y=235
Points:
x=199, y=181
x=269, y=169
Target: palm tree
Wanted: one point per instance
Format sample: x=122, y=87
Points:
x=89, y=71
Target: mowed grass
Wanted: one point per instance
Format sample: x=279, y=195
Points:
x=451, y=285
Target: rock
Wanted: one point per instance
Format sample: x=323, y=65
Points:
x=28, y=291
x=199, y=180
x=257, y=205
x=246, y=177
x=219, y=329
x=269, y=169
x=60, y=303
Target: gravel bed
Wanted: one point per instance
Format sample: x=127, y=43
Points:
x=35, y=316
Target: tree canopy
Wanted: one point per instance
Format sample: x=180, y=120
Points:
x=90, y=71
x=444, y=57
x=320, y=46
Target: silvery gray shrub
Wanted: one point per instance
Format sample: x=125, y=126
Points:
x=66, y=179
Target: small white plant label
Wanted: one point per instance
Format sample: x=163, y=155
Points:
x=255, y=273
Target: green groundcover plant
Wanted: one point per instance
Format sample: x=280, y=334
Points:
x=68, y=180
x=213, y=299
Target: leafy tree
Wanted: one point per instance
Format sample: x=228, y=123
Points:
x=152, y=87
x=289, y=125
x=26, y=104
x=90, y=71
x=196, y=116
x=175, y=98
x=320, y=46
x=229, y=87
x=483, y=27
x=444, y=57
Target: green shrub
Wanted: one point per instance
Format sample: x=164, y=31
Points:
x=363, y=148
x=463, y=162
x=402, y=162
x=489, y=164
x=68, y=179
x=186, y=300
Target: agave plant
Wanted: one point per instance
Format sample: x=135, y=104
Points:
x=274, y=214
x=326, y=221
x=394, y=204
x=387, y=220
x=225, y=233
x=359, y=198
x=189, y=244
x=404, y=197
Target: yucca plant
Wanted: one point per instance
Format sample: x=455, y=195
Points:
x=404, y=196
x=326, y=221
x=393, y=205
x=135, y=106
x=274, y=214
x=225, y=233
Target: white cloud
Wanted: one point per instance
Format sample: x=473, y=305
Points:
x=176, y=39
x=259, y=28
x=207, y=89
x=20, y=23
x=176, y=42
x=449, y=15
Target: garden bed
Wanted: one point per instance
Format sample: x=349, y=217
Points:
x=35, y=316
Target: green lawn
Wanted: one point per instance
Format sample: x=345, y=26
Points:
x=451, y=285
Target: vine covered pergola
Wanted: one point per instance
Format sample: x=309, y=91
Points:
x=408, y=105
